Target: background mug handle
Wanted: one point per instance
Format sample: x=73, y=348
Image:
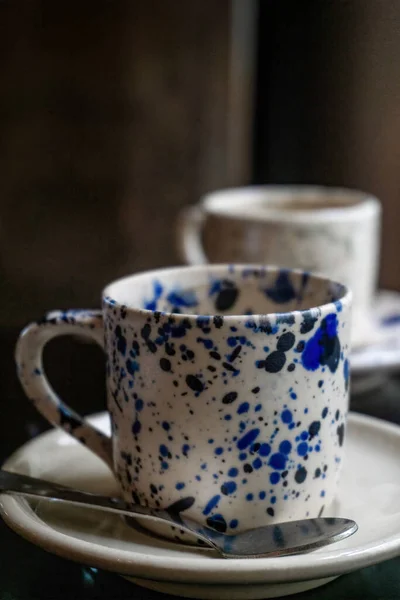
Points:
x=190, y=225
x=28, y=355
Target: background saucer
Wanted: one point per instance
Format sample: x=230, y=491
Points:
x=381, y=352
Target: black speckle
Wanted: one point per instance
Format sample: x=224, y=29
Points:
x=255, y=390
x=194, y=383
x=300, y=346
x=317, y=473
x=229, y=367
x=127, y=457
x=275, y=361
x=153, y=488
x=200, y=542
x=165, y=364
x=300, y=475
x=324, y=412
x=226, y=489
x=285, y=318
x=291, y=367
x=247, y=468
x=227, y=296
x=169, y=349
x=136, y=427
x=286, y=342
x=337, y=415
x=151, y=346
x=218, y=321
x=121, y=341
x=270, y=511
x=146, y=330
x=218, y=523
x=215, y=355
x=340, y=434
x=282, y=291
x=314, y=428
x=235, y=353
x=181, y=505
x=229, y=398
x=308, y=323
x=130, y=366
x=263, y=326
x=321, y=511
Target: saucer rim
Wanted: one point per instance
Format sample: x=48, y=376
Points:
x=18, y=515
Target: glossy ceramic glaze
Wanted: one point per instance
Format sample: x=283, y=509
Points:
x=369, y=492
x=227, y=390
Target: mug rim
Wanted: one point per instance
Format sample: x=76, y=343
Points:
x=345, y=297
x=356, y=204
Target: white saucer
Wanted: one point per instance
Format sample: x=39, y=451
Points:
x=369, y=493
x=382, y=353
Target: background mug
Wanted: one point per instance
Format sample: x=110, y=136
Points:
x=227, y=390
x=331, y=231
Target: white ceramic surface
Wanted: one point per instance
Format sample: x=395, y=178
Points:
x=320, y=229
x=369, y=493
x=227, y=387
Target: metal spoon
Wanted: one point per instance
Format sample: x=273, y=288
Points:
x=282, y=539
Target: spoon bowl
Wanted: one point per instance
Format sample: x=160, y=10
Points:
x=281, y=539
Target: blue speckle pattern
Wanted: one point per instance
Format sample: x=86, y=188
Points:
x=254, y=395
x=227, y=391
x=390, y=320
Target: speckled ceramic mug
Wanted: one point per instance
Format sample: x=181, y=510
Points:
x=325, y=230
x=227, y=389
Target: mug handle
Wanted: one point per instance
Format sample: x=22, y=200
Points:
x=28, y=356
x=190, y=224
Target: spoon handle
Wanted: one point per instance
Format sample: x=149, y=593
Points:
x=270, y=540
x=38, y=488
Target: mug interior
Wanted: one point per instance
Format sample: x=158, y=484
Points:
x=224, y=290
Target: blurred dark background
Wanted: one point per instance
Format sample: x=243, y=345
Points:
x=116, y=114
